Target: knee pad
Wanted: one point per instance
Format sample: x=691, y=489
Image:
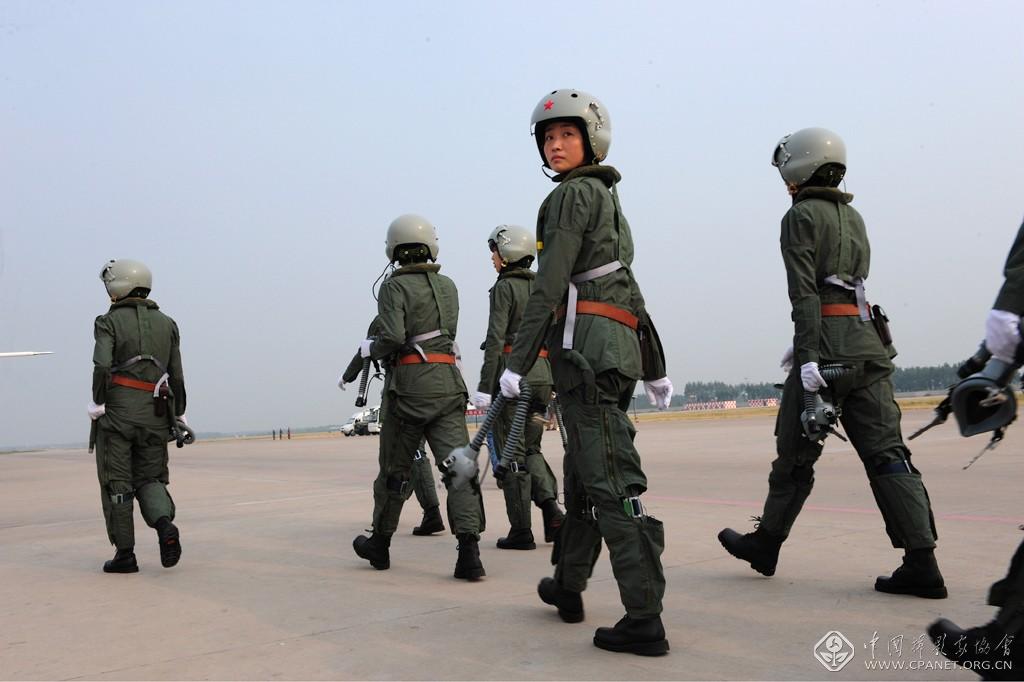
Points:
x=877, y=465
x=398, y=486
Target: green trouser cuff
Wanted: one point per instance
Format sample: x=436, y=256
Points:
x=465, y=511
x=516, y=488
x=155, y=502
x=906, y=509
x=543, y=485
x=121, y=524
x=389, y=496
x=579, y=547
x=786, y=497
x=635, y=545
x=423, y=483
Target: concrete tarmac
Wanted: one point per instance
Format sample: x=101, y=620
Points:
x=268, y=586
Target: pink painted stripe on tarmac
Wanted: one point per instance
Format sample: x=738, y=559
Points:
x=974, y=518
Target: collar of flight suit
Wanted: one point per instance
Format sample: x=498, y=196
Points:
x=833, y=194
x=416, y=268
x=133, y=302
x=522, y=273
x=606, y=174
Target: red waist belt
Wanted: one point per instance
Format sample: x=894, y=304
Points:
x=603, y=310
x=432, y=358
x=542, y=354
x=840, y=309
x=132, y=383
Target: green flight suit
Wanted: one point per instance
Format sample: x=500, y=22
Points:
x=131, y=440
x=532, y=478
x=581, y=227
x=422, y=400
x=1008, y=593
x=422, y=475
x=822, y=236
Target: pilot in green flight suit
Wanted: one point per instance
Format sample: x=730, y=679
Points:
x=422, y=476
x=826, y=253
x=418, y=314
x=137, y=385
x=513, y=249
x=587, y=309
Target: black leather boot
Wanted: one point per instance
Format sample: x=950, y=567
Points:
x=170, y=542
x=468, y=566
x=569, y=604
x=553, y=519
x=987, y=649
x=641, y=636
x=918, y=576
x=760, y=548
x=374, y=549
x=518, y=538
x=431, y=522
x=123, y=562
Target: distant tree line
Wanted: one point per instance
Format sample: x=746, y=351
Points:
x=905, y=380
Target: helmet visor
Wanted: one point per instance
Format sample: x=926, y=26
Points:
x=780, y=156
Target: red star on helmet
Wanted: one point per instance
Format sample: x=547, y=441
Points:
x=548, y=104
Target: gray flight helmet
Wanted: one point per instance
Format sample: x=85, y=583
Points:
x=798, y=155
x=513, y=243
x=585, y=109
x=984, y=401
x=123, y=275
x=411, y=229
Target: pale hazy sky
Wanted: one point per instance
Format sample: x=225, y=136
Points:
x=253, y=154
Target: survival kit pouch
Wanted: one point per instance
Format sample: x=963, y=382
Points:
x=881, y=322
x=160, y=400
x=652, y=354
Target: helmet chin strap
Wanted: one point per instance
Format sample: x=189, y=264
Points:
x=544, y=169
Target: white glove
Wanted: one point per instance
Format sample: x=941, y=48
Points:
x=1002, y=334
x=811, y=377
x=96, y=411
x=341, y=381
x=182, y=419
x=659, y=392
x=364, y=348
x=787, y=360
x=481, y=400
x=509, y=383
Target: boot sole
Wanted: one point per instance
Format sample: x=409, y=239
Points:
x=659, y=648
x=767, y=571
x=420, y=530
x=923, y=592
x=130, y=569
x=170, y=548
x=473, y=574
x=532, y=545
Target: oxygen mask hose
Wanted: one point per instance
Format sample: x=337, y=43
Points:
x=561, y=425
x=364, y=380
x=514, y=442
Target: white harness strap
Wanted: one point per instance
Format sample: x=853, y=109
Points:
x=858, y=288
x=570, y=306
x=415, y=341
